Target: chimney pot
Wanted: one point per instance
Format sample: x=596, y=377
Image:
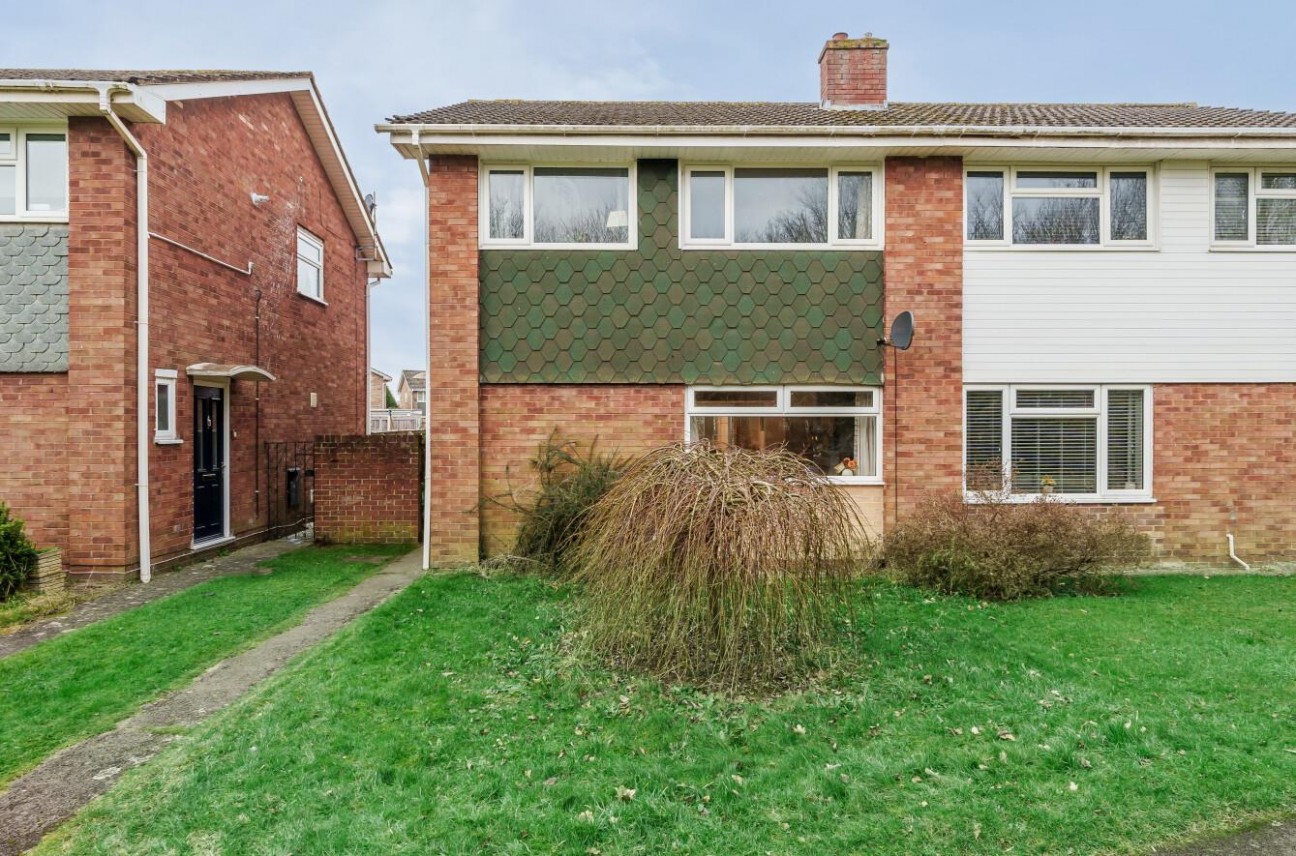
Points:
x=853, y=73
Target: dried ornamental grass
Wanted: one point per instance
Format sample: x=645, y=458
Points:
x=722, y=568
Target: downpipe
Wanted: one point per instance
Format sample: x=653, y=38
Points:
x=1233, y=554
x=142, y=326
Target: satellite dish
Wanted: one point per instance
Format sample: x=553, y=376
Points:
x=902, y=330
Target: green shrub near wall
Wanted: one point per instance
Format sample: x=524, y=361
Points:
x=659, y=314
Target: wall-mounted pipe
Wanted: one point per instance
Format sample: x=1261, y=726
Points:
x=427, y=363
x=142, y=326
x=1233, y=554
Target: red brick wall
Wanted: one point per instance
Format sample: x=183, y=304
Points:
x=33, y=477
x=516, y=419
x=1223, y=461
x=206, y=162
x=99, y=466
x=853, y=72
x=452, y=393
x=923, y=437
x=368, y=489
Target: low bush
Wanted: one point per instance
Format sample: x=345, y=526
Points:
x=998, y=549
x=720, y=568
x=17, y=553
x=570, y=481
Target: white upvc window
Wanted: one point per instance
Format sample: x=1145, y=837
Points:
x=781, y=207
x=1084, y=443
x=558, y=207
x=1253, y=208
x=33, y=174
x=310, y=265
x=1059, y=207
x=164, y=406
x=837, y=429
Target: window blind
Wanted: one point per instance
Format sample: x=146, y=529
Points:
x=1125, y=439
x=1231, y=206
x=1056, y=398
x=1063, y=450
x=984, y=439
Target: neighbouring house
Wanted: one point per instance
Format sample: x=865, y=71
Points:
x=1103, y=293
x=411, y=390
x=378, y=390
x=184, y=269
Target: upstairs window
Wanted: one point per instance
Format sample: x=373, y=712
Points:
x=556, y=206
x=793, y=207
x=1058, y=207
x=310, y=265
x=1090, y=442
x=836, y=429
x=33, y=174
x=1254, y=208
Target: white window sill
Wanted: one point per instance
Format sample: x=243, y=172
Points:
x=312, y=298
x=1252, y=248
x=860, y=481
x=576, y=246
x=167, y=441
x=1070, y=498
x=817, y=248
x=34, y=219
x=1061, y=248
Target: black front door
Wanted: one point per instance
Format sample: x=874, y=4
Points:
x=209, y=462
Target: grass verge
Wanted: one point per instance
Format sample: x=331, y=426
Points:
x=449, y=721
x=28, y=606
x=83, y=683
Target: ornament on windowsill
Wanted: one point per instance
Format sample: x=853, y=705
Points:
x=847, y=467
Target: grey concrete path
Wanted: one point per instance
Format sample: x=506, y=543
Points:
x=242, y=561
x=39, y=801
x=1276, y=839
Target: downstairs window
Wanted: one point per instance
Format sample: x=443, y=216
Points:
x=836, y=429
x=1088, y=442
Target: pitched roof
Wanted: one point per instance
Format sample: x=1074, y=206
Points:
x=702, y=114
x=415, y=379
x=146, y=78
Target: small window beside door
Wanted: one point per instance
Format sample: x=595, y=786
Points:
x=164, y=407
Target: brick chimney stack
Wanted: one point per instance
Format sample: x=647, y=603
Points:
x=853, y=73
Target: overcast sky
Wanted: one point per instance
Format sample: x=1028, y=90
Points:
x=374, y=58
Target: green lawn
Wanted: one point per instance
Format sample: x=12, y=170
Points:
x=85, y=682
x=450, y=721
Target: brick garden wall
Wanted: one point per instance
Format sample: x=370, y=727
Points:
x=516, y=419
x=923, y=438
x=368, y=489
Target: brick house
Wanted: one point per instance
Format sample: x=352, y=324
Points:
x=378, y=389
x=1102, y=293
x=411, y=390
x=177, y=249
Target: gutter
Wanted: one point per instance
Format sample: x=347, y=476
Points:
x=142, y=325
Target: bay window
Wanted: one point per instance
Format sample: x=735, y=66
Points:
x=557, y=206
x=835, y=429
x=1058, y=207
x=33, y=174
x=793, y=207
x=1253, y=208
x=1088, y=442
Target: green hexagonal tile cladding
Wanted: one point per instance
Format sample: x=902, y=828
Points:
x=660, y=314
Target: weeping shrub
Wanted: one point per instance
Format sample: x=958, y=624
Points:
x=721, y=568
x=17, y=553
x=998, y=549
x=570, y=481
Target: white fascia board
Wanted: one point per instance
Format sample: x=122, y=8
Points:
x=81, y=97
x=228, y=88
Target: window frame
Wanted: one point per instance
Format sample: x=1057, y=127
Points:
x=311, y=238
x=687, y=242
x=17, y=158
x=1254, y=193
x=166, y=378
x=783, y=407
x=1098, y=411
x=1103, y=192
x=527, y=241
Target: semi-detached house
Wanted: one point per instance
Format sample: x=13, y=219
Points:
x=184, y=268
x=1105, y=296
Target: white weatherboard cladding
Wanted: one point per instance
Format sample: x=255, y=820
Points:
x=1178, y=314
